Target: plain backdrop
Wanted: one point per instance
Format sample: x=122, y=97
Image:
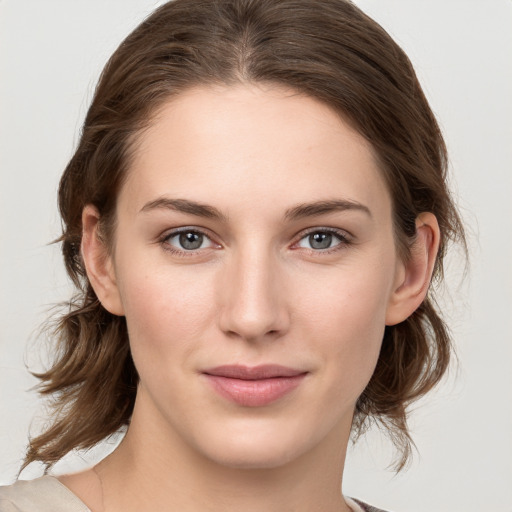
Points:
x=51, y=53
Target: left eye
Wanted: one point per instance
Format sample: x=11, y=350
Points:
x=320, y=240
x=189, y=240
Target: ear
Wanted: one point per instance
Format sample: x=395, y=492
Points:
x=414, y=275
x=98, y=263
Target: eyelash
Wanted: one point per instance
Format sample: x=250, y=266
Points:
x=164, y=241
x=342, y=236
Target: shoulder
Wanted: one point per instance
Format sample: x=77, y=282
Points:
x=45, y=494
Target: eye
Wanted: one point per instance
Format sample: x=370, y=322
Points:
x=187, y=240
x=321, y=240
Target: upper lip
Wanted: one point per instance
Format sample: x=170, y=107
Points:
x=264, y=371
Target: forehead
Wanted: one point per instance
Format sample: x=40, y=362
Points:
x=267, y=144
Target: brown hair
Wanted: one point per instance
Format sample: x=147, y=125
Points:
x=327, y=49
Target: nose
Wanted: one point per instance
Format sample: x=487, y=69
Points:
x=253, y=297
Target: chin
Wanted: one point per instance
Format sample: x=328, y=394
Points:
x=255, y=458
x=257, y=448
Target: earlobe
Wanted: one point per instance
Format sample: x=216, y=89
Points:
x=415, y=275
x=98, y=263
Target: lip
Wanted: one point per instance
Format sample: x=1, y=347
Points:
x=254, y=386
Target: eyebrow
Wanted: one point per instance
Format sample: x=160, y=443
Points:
x=297, y=212
x=185, y=206
x=322, y=207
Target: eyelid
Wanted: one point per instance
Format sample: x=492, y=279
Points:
x=171, y=233
x=344, y=237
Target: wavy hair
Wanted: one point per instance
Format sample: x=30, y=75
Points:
x=327, y=49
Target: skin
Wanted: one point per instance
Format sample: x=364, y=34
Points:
x=256, y=292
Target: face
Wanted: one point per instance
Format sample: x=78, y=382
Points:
x=255, y=262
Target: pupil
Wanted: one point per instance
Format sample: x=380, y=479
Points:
x=320, y=240
x=191, y=240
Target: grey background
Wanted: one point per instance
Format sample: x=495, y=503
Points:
x=51, y=53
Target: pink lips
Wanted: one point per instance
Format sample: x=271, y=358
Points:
x=254, y=386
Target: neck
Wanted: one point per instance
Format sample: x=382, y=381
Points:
x=170, y=475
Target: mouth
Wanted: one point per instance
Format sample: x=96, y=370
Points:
x=254, y=386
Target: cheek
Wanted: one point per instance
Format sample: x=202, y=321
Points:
x=351, y=299
x=346, y=316
x=167, y=312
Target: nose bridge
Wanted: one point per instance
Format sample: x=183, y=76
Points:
x=253, y=303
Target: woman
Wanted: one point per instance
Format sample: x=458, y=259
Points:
x=252, y=218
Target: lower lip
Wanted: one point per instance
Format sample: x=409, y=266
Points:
x=254, y=393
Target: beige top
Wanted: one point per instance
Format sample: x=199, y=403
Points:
x=47, y=494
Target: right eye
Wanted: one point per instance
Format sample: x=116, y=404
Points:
x=187, y=240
